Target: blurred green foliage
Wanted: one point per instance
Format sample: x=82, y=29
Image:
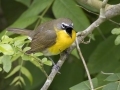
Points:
x=21, y=72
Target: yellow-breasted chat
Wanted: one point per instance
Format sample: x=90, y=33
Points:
x=50, y=38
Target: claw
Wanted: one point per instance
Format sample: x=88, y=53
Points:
x=57, y=68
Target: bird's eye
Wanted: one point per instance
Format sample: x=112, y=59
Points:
x=64, y=26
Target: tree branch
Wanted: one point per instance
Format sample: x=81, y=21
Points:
x=109, y=13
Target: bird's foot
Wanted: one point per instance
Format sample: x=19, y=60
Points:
x=57, y=68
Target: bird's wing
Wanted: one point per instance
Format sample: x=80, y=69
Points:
x=42, y=40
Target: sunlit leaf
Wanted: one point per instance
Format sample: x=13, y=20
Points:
x=44, y=59
x=6, y=60
x=1, y=59
x=34, y=62
x=38, y=54
x=26, y=57
x=6, y=49
x=15, y=80
x=22, y=80
x=116, y=31
x=6, y=39
x=18, y=84
x=117, y=40
x=15, y=57
x=26, y=49
x=19, y=41
x=26, y=72
x=0, y=69
x=18, y=78
x=22, y=38
x=16, y=69
x=47, y=62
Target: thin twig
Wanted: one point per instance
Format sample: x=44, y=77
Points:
x=106, y=73
x=84, y=63
x=88, y=10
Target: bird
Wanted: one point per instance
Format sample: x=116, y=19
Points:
x=51, y=37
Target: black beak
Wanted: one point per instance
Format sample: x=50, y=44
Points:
x=69, y=31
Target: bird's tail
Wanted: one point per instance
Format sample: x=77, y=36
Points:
x=20, y=31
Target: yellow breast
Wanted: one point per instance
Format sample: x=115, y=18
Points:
x=63, y=41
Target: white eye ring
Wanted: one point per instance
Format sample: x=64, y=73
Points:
x=64, y=25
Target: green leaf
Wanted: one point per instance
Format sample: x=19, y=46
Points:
x=26, y=72
x=22, y=38
x=25, y=2
x=16, y=69
x=112, y=86
x=26, y=57
x=19, y=41
x=35, y=63
x=85, y=85
x=117, y=40
x=47, y=62
x=22, y=80
x=1, y=59
x=44, y=59
x=6, y=39
x=6, y=60
x=15, y=57
x=15, y=80
x=113, y=77
x=0, y=69
x=38, y=54
x=26, y=49
x=116, y=31
x=69, y=9
x=18, y=84
x=45, y=19
x=6, y=49
x=105, y=53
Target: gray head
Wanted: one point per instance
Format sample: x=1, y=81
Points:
x=63, y=23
